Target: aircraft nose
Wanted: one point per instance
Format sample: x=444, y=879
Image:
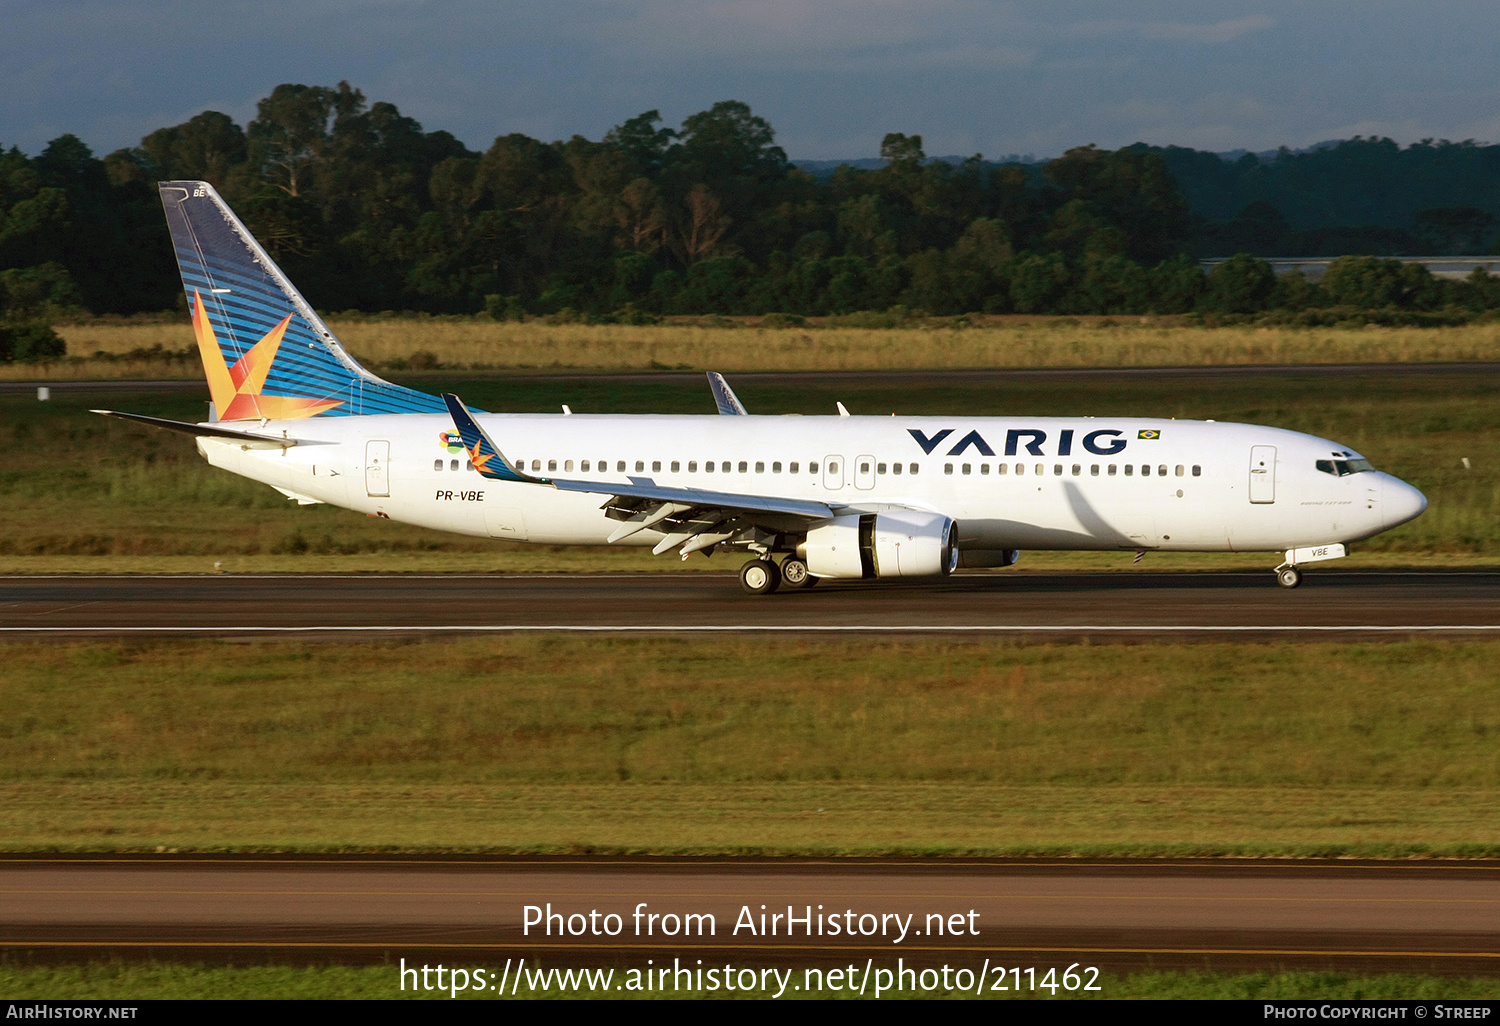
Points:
x=1400, y=502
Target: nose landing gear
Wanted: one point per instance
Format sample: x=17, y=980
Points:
x=1288, y=576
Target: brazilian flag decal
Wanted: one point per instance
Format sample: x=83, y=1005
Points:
x=1149, y=435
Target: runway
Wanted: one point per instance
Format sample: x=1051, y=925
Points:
x=1386, y=917
x=1131, y=604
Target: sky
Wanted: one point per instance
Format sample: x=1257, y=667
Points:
x=831, y=76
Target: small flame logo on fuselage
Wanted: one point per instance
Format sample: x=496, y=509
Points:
x=236, y=390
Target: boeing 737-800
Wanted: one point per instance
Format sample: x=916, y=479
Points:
x=829, y=497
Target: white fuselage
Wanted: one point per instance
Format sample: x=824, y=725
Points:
x=1009, y=483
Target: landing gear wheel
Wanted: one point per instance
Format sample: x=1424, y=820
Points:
x=794, y=573
x=760, y=576
x=1288, y=577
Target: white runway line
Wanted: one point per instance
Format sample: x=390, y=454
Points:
x=790, y=628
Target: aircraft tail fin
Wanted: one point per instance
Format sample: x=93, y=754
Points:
x=266, y=353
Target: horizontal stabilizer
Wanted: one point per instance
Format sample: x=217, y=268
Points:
x=245, y=438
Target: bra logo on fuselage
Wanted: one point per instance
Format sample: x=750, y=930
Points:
x=1106, y=442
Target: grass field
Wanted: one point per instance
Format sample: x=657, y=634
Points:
x=133, y=981
x=87, y=493
x=166, y=348
x=736, y=746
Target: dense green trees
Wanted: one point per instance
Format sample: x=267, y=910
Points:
x=366, y=210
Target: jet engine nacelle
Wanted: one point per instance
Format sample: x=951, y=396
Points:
x=901, y=543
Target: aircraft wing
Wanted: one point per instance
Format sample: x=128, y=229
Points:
x=693, y=518
x=729, y=404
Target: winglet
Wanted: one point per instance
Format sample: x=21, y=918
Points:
x=487, y=459
x=729, y=404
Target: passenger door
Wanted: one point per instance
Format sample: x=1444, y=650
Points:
x=377, y=468
x=864, y=472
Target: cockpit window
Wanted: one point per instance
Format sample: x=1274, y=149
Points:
x=1343, y=468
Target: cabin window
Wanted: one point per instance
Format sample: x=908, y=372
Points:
x=551, y=464
x=864, y=468
x=1002, y=468
x=880, y=468
x=776, y=467
x=1197, y=470
x=1057, y=470
x=1180, y=470
x=676, y=466
x=468, y=464
x=967, y=468
x=438, y=465
x=1040, y=470
x=656, y=466
x=568, y=466
x=692, y=466
x=812, y=468
x=791, y=468
x=1112, y=470
x=620, y=467
x=640, y=466
x=895, y=468
x=1077, y=469
x=1094, y=470
x=912, y=469
x=708, y=466
x=947, y=468
x=1161, y=471
x=760, y=467
x=984, y=469
x=584, y=466
x=1129, y=469
x=744, y=466
x=1145, y=470
x=1020, y=469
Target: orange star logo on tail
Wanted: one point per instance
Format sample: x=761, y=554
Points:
x=236, y=390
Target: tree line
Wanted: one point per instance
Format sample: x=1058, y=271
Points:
x=367, y=211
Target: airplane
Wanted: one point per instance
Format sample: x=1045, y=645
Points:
x=807, y=498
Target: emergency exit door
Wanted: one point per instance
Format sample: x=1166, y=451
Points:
x=1263, y=473
x=833, y=472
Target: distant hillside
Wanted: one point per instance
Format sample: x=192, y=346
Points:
x=1360, y=195
x=824, y=168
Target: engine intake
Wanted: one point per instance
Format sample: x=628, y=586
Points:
x=902, y=543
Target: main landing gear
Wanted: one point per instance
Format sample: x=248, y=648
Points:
x=761, y=576
x=794, y=573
